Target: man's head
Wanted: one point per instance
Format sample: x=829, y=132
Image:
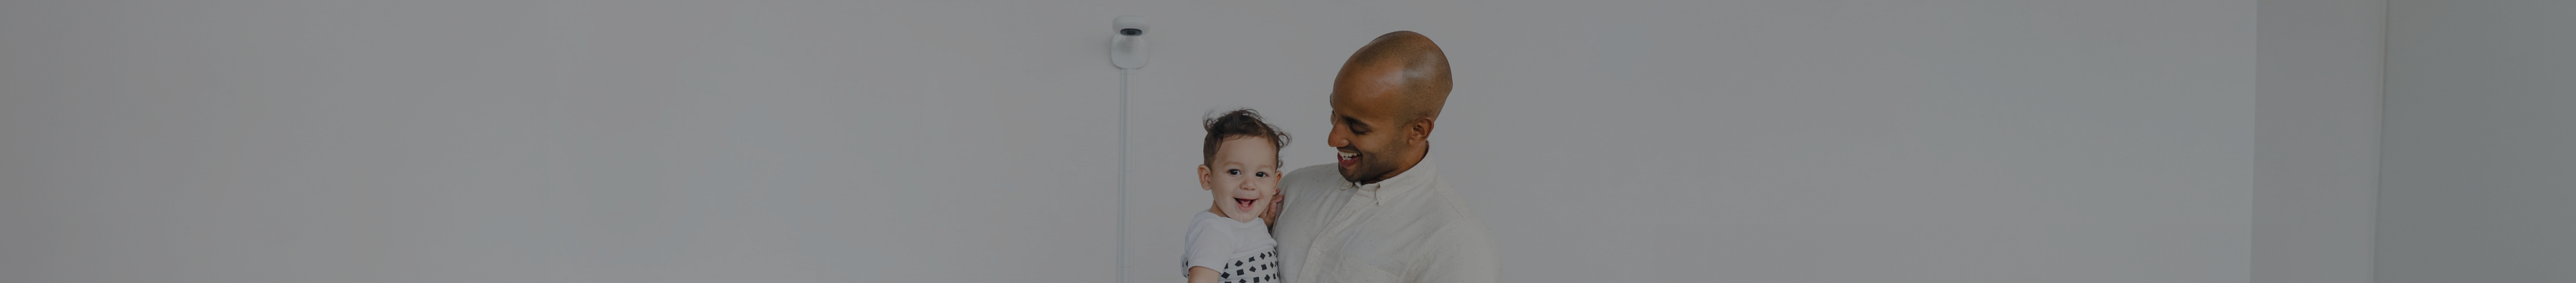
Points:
x=1384, y=104
x=1240, y=164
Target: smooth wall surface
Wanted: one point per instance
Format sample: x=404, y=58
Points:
x=2476, y=184
x=562, y=141
x=803, y=141
x=2316, y=159
x=1769, y=141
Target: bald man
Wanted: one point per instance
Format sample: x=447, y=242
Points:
x=1382, y=214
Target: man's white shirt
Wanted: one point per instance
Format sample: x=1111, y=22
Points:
x=1407, y=228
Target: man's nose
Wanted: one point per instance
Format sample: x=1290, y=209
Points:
x=1336, y=138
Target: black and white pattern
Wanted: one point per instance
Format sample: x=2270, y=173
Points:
x=1238, y=251
x=1258, y=267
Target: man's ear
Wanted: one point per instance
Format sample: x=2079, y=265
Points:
x=1420, y=130
x=1204, y=182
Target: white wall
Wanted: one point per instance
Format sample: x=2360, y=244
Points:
x=569, y=141
x=1771, y=141
x=2475, y=182
x=2317, y=139
x=678, y=141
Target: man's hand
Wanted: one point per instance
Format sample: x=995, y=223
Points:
x=1271, y=217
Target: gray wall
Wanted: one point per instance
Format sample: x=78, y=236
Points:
x=781, y=141
x=2479, y=174
x=563, y=141
x=1772, y=141
x=2317, y=136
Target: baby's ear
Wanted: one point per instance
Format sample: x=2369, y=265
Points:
x=1204, y=182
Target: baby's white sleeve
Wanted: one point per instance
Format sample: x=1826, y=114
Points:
x=1209, y=246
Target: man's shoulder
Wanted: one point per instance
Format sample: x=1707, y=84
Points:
x=1441, y=201
x=1453, y=224
x=1445, y=208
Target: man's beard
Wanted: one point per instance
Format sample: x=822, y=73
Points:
x=1371, y=168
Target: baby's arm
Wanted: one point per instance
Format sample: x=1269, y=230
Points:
x=1201, y=274
x=1210, y=246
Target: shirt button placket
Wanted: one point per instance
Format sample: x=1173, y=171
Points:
x=1361, y=201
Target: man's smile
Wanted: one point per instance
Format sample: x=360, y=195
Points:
x=1347, y=158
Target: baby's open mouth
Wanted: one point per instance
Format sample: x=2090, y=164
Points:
x=1243, y=204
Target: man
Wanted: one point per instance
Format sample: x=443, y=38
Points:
x=1382, y=214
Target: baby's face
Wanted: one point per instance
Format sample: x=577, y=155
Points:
x=1243, y=176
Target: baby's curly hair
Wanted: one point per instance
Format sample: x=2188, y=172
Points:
x=1239, y=123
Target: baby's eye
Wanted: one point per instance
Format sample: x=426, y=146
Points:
x=1234, y=171
x=1261, y=174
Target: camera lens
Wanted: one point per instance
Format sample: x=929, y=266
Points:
x=1131, y=31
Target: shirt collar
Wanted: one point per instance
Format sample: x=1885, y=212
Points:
x=1420, y=175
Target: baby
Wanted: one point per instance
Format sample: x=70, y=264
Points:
x=1230, y=242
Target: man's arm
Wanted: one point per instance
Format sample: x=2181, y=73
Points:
x=1464, y=255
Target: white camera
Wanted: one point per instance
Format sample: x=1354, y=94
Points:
x=1127, y=49
x=1128, y=25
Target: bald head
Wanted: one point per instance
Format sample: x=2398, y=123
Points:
x=1385, y=103
x=1401, y=69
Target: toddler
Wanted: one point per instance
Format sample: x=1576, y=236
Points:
x=1239, y=167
